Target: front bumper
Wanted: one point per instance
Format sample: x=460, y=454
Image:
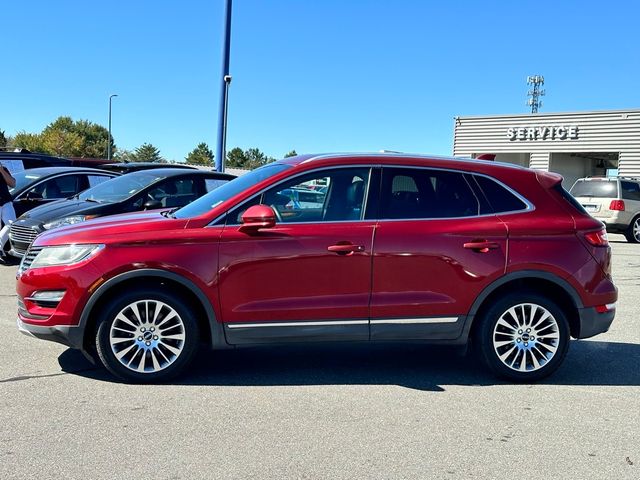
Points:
x=66, y=335
x=592, y=323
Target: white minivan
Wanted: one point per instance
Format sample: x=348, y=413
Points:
x=615, y=201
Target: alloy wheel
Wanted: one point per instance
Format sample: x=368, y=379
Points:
x=147, y=336
x=526, y=337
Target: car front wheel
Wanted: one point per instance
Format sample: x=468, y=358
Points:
x=523, y=337
x=147, y=336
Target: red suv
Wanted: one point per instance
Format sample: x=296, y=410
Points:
x=392, y=247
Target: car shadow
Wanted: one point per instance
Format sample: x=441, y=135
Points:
x=415, y=366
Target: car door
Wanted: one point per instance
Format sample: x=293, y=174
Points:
x=309, y=277
x=434, y=251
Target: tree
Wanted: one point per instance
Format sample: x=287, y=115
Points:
x=292, y=153
x=30, y=141
x=3, y=139
x=249, y=159
x=123, y=155
x=147, y=153
x=201, y=155
x=236, y=158
x=68, y=138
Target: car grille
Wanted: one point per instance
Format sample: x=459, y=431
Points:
x=27, y=260
x=21, y=237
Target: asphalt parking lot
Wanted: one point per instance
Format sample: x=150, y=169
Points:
x=345, y=411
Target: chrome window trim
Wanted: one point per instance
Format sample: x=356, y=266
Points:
x=529, y=206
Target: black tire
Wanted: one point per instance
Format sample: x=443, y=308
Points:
x=177, y=331
x=494, y=341
x=629, y=235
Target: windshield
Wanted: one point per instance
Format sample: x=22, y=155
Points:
x=24, y=178
x=595, y=188
x=120, y=188
x=228, y=190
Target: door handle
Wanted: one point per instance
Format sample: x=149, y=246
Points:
x=345, y=248
x=481, y=246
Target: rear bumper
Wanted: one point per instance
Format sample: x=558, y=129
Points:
x=592, y=323
x=615, y=227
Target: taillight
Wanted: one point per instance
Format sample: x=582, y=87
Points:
x=617, y=205
x=597, y=239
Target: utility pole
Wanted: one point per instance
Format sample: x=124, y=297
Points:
x=534, y=102
x=224, y=91
x=109, y=141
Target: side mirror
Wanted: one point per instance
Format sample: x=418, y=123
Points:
x=152, y=205
x=258, y=217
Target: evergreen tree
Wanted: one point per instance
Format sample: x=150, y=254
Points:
x=201, y=155
x=147, y=153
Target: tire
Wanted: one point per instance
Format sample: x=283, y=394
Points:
x=633, y=232
x=147, y=336
x=523, y=337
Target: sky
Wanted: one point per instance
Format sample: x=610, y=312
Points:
x=310, y=75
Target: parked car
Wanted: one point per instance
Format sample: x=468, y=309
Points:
x=27, y=159
x=404, y=248
x=143, y=190
x=128, y=167
x=38, y=186
x=613, y=200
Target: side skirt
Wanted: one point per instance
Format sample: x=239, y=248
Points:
x=433, y=329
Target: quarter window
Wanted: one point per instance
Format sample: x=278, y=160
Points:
x=409, y=193
x=500, y=199
x=630, y=190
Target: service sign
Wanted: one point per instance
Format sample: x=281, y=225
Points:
x=544, y=132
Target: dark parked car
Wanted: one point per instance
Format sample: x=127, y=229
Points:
x=143, y=190
x=128, y=167
x=398, y=247
x=28, y=159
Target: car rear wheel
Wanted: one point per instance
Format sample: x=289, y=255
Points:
x=633, y=232
x=523, y=337
x=147, y=336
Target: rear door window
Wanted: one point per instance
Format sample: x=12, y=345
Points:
x=417, y=193
x=97, y=179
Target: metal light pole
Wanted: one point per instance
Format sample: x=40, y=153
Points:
x=109, y=141
x=224, y=91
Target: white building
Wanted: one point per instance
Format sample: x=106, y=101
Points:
x=575, y=144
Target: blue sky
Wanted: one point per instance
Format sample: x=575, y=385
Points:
x=310, y=75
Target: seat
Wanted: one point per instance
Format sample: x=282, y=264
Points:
x=170, y=198
x=52, y=190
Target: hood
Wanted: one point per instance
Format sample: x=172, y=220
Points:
x=126, y=227
x=65, y=208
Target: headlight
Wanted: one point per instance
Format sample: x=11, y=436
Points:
x=67, y=221
x=64, y=255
